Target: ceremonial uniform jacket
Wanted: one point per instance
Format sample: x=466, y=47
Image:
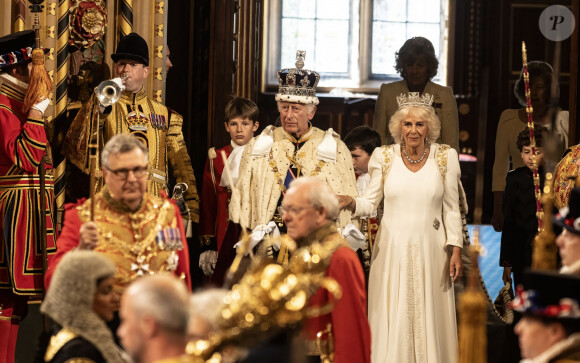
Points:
x=23, y=143
x=156, y=125
x=213, y=221
x=563, y=185
x=348, y=318
x=150, y=240
x=265, y=165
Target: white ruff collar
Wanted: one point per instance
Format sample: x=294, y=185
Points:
x=573, y=269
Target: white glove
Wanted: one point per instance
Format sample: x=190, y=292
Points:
x=354, y=237
x=41, y=106
x=119, y=82
x=207, y=261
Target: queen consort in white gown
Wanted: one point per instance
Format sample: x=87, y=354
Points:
x=411, y=300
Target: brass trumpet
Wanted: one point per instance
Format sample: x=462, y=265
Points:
x=108, y=92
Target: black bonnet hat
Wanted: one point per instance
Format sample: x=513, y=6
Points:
x=549, y=294
x=16, y=48
x=132, y=46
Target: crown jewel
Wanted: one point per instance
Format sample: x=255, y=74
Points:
x=298, y=84
x=413, y=99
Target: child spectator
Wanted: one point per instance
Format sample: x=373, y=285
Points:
x=361, y=142
x=241, y=123
x=519, y=208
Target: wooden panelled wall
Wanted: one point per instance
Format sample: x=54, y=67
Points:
x=217, y=51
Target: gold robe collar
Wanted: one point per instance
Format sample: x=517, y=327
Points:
x=139, y=96
x=303, y=138
x=319, y=235
x=117, y=205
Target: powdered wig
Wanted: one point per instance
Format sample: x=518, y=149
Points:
x=423, y=113
x=163, y=297
x=69, y=300
x=320, y=195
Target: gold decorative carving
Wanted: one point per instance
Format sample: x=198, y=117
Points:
x=159, y=51
x=159, y=30
x=158, y=74
x=50, y=31
x=159, y=7
x=51, y=8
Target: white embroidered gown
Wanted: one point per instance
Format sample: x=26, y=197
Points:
x=411, y=299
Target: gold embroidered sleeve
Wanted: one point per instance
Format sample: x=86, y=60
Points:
x=181, y=163
x=76, y=142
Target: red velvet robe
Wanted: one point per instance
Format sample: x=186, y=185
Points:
x=214, y=219
x=352, y=336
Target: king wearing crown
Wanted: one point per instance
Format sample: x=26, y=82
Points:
x=281, y=154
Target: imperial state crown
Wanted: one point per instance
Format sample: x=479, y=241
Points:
x=298, y=84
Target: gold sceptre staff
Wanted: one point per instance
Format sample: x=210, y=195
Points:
x=530, y=111
x=38, y=89
x=472, y=309
x=544, y=245
x=107, y=93
x=94, y=161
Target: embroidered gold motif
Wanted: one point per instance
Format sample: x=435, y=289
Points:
x=129, y=239
x=275, y=170
x=388, y=154
x=441, y=159
x=57, y=342
x=297, y=162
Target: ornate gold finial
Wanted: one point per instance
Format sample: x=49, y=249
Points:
x=545, y=249
x=270, y=298
x=413, y=99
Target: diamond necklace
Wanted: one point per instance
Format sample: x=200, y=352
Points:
x=411, y=160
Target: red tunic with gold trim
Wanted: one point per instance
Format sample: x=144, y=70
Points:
x=22, y=145
x=150, y=240
x=350, y=327
x=213, y=220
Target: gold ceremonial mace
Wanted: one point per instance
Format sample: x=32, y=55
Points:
x=93, y=160
x=530, y=111
x=472, y=310
x=38, y=89
x=544, y=246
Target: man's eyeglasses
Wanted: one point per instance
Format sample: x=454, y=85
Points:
x=138, y=171
x=291, y=211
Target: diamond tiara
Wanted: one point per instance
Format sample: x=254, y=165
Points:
x=413, y=99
